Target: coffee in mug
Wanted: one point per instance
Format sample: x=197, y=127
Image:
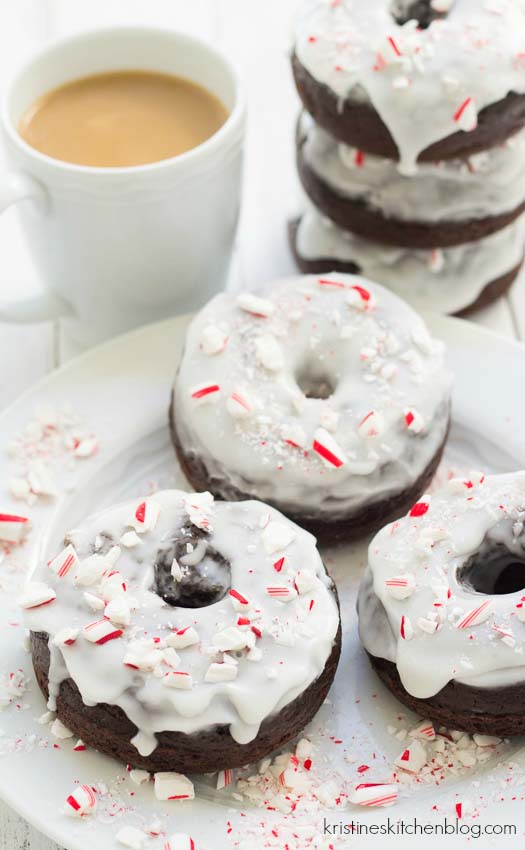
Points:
x=122, y=118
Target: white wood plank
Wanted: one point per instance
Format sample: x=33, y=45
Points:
x=259, y=46
x=16, y=834
x=191, y=17
x=26, y=352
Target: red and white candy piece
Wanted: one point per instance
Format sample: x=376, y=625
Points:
x=428, y=625
x=220, y=671
x=374, y=794
x=328, y=449
x=142, y=655
x=81, y=801
x=239, y=405
x=85, y=447
x=294, y=435
x=276, y=536
x=178, y=679
x=118, y=611
x=173, y=786
x=113, y=585
x=66, y=561
x=101, y=631
x=65, y=637
x=401, y=587
x=424, y=730
x=466, y=116
x=213, y=340
x=231, y=639
x=420, y=508
x=256, y=306
x=414, y=421
x=199, y=506
x=205, y=392
x=224, y=779
x=80, y=746
x=371, y=425
x=145, y=517
x=13, y=528
x=406, y=629
x=35, y=595
x=359, y=298
x=179, y=841
x=305, y=581
x=284, y=593
x=182, y=638
x=476, y=616
x=239, y=601
x=413, y=758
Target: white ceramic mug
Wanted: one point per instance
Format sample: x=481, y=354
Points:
x=118, y=247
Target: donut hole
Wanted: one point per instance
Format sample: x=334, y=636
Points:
x=205, y=576
x=415, y=10
x=494, y=573
x=314, y=381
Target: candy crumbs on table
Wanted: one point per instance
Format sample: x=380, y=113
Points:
x=13, y=528
x=373, y=794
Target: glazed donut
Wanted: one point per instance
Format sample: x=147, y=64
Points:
x=371, y=75
x=446, y=583
x=444, y=204
x=176, y=634
x=326, y=398
x=452, y=280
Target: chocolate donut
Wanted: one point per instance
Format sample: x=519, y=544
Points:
x=179, y=634
x=455, y=280
x=443, y=205
x=376, y=79
x=447, y=583
x=327, y=398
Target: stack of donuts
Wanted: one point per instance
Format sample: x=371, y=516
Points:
x=411, y=148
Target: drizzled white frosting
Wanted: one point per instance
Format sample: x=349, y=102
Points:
x=238, y=687
x=411, y=587
x=344, y=331
x=446, y=280
x=487, y=184
x=424, y=84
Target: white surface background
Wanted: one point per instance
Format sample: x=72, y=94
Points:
x=257, y=38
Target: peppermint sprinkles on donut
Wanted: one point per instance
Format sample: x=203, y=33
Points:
x=457, y=596
x=339, y=382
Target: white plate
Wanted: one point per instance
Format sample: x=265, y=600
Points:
x=122, y=391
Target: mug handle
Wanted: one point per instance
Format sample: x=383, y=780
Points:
x=16, y=186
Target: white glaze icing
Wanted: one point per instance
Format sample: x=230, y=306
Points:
x=487, y=184
x=447, y=280
x=419, y=81
x=297, y=636
x=431, y=549
x=376, y=354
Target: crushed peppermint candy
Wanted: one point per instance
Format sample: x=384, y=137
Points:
x=173, y=786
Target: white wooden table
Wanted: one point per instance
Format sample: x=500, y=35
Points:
x=257, y=38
